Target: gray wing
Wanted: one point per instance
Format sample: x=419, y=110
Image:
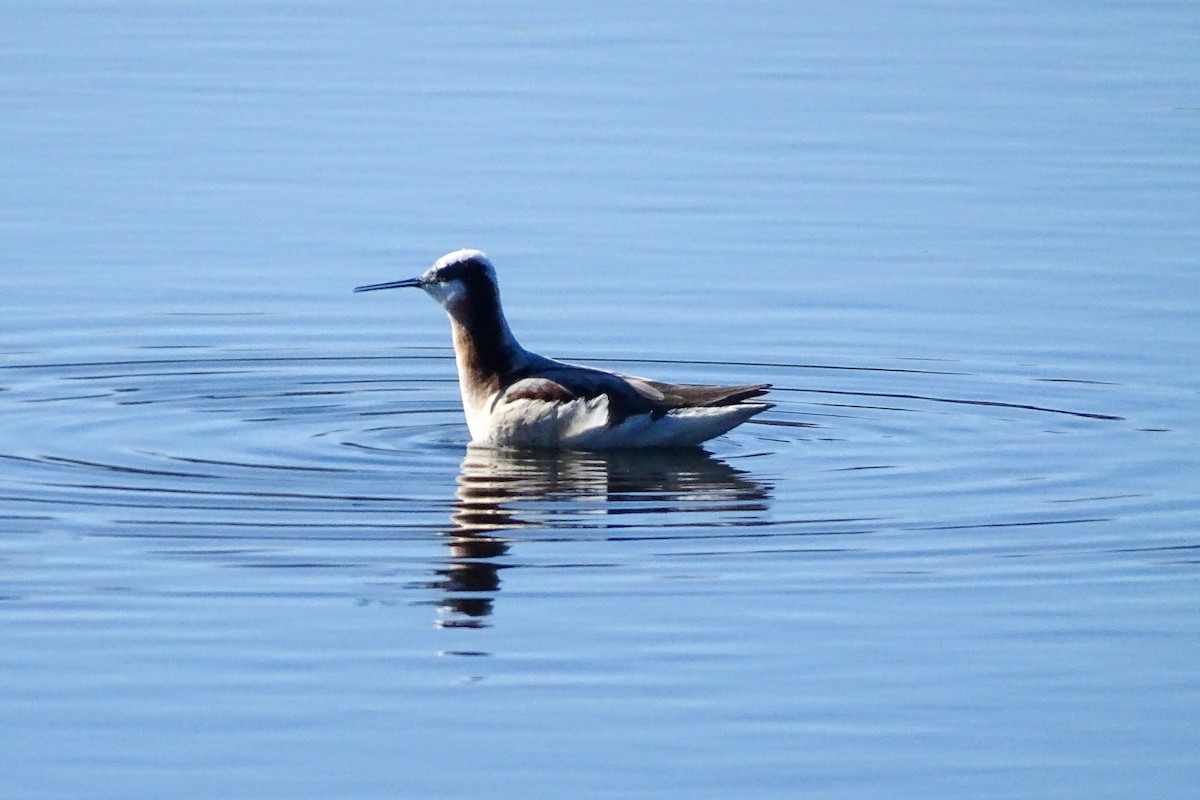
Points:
x=694, y=395
x=564, y=383
x=627, y=395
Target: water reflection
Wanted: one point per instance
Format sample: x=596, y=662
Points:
x=501, y=492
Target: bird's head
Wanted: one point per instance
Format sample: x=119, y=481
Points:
x=456, y=280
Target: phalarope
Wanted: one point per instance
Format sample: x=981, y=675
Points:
x=515, y=398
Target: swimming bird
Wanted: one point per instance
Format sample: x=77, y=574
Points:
x=515, y=398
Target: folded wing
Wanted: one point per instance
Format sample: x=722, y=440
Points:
x=627, y=395
x=697, y=395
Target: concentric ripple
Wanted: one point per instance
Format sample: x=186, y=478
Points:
x=329, y=457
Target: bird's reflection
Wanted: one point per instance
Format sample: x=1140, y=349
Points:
x=503, y=491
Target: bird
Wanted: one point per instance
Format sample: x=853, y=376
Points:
x=515, y=398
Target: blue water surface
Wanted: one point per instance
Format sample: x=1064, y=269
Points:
x=245, y=550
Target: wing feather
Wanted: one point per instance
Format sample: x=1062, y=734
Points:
x=698, y=395
x=555, y=382
x=537, y=389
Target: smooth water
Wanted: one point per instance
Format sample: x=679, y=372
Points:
x=246, y=552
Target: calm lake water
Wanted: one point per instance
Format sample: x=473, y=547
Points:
x=245, y=551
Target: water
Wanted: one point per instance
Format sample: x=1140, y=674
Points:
x=246, y=552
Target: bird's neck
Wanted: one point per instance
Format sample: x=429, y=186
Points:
x=484, y=347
